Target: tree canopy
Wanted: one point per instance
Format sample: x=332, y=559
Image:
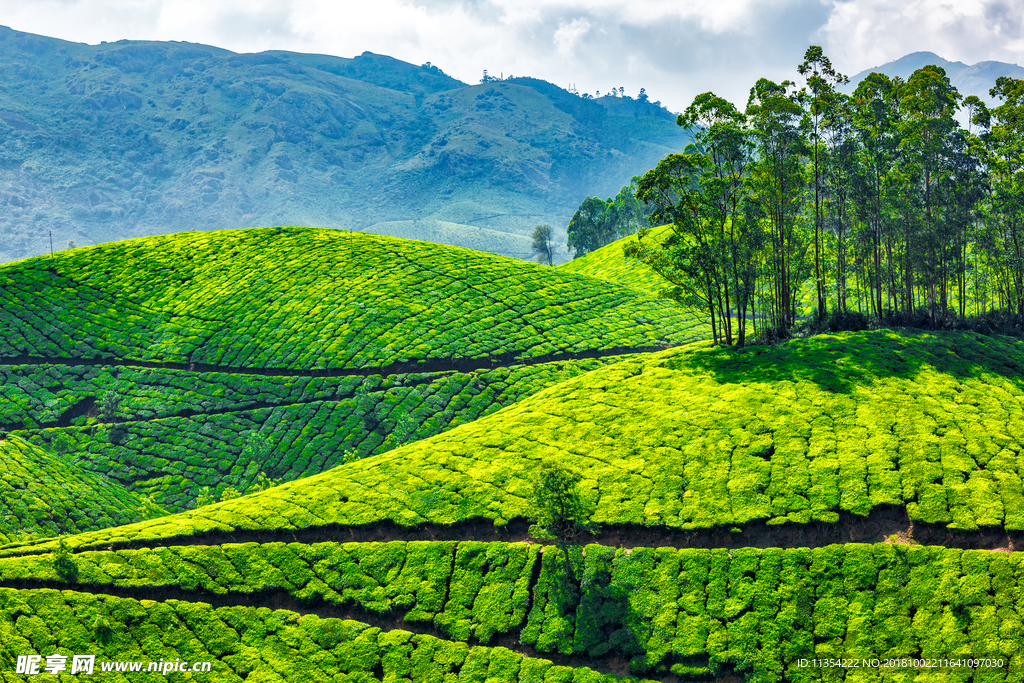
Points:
x=813, y=204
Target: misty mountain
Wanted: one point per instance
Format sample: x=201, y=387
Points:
x=104, y=142
x=969, y=79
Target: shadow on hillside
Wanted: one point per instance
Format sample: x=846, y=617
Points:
x=840, y=362
x=607, y=603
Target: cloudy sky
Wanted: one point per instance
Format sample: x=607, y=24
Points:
x=673, y=48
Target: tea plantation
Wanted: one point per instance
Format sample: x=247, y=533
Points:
x=609, y=263
x=44, y=494
x=407, y=394
x=694, y=612
x=313, y=300
x=200, y=364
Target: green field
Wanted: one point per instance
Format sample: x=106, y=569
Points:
x=406, y=394
x=694, y=612
x=334, y=346
x=609, y=263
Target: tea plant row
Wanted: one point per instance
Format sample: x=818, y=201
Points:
x=688, y=612
x=306, y=298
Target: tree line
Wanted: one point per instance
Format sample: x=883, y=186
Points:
x=814, y=203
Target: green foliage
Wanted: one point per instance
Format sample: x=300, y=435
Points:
x=599, y=222
x=562, y=512
x=43, y=494
x=703, y=438
x=610, y=263
x=110, y=403
x=238, y=430
x=177, y=429
x=689, y=612
x=388, y=313
x=253, y=643
x=64, y=564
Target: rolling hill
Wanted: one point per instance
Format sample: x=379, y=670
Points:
x=813, y=431
x=104, y=142
x=746, y=473
x=206, y=363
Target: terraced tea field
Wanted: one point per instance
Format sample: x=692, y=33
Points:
x=204, y=363
x=842, y=497
x=609, y=263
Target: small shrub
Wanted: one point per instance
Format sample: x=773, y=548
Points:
x=229, y=493
x=64, y=563
x=110, y=403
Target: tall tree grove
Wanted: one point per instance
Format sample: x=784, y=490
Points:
x=815, y=205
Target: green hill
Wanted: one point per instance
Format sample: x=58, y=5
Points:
x=45, y=494
x=608, y=263
x=132, y=138
x=408, y=393
x=700, y=439
x=212, y=361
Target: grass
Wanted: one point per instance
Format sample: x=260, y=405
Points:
x=701, y=438
x=690, y=612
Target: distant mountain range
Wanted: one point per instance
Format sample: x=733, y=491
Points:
x=104, y=142
x=969, y=79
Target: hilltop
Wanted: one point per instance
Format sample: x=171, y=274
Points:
x=207, y=363
x=104, y=142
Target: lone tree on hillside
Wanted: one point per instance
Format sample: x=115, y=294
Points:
x=543, y=248
x=562, y=512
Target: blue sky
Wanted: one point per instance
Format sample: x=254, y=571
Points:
x=673, y=48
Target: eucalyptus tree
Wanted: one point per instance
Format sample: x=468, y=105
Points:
x=817, y=95
x=876, y=116
x=928, y=104
x=1003, y=149
x=708, y=256
x=774, y=113
x=838, y=180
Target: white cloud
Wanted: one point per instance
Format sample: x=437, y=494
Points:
x=866, y=33
x=569, y=34
x=673, y=48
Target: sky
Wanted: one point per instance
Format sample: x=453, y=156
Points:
x=675, y=49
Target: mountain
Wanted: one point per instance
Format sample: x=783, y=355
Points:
x=133, y=138
x=969, y=79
